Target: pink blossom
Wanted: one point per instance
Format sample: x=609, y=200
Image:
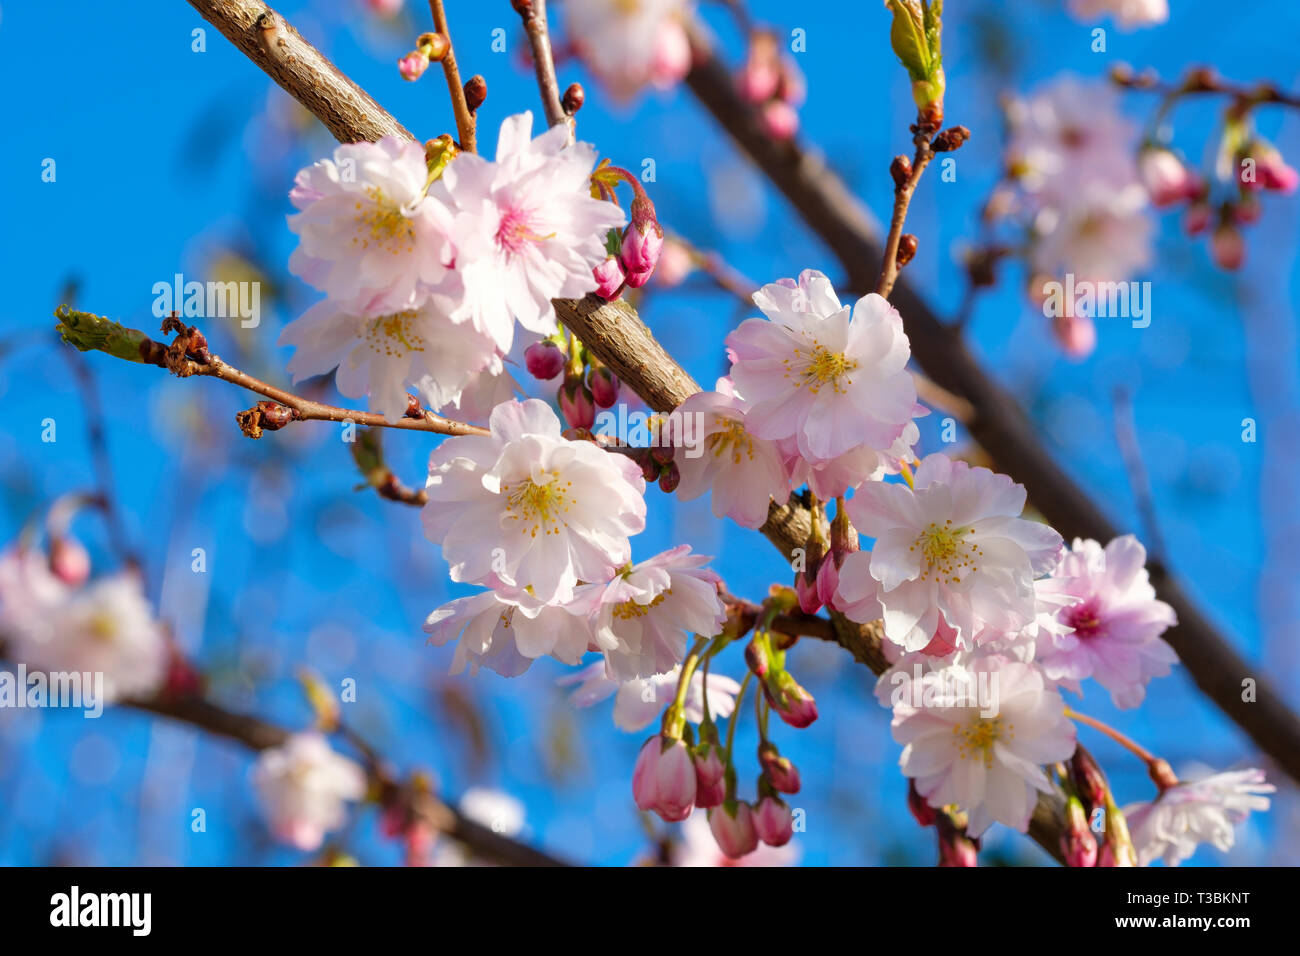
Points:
x=413, y=65
x=773, y=821
x=609, y=278
x=1166, y=178
x=544, y=360
x=1117, y=622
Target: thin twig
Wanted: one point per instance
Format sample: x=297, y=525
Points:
x=465, y=123
x=533, y=13
x=1139, y=479
x=902, y=199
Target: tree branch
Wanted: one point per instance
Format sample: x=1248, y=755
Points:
x=997, y=422
x=533, y=13
x=465, y=122
x=258, y=734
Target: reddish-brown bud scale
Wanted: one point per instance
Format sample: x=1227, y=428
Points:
x=907, y=244
x=475, y=92
x=574, y=97
x=901, y=170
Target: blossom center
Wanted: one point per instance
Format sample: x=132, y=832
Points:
x=388, y=227
x=538, y=505
x=819, y=366
x=977, y=737
x=1084, y=618
x=515, y=231
x=393, y=334
x=731, y=434
x=102, y=627
x=628, y=610
x=946, y=551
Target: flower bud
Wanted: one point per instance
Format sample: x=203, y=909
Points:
x=780, y=772
x=413, y=65
x=1088, y=780
x=924, y=813
x=574, y=97
x=828, y=581
x=669, y=478
x=901, y=170
x=732, y=825
x=1167, y=180
x=955, y=847
x=780, y=120
x=1076, y=334
x=1078, y=845
x=609, y=278
x=664, y=778
x=642, y=243
x=576, y=404
x=907, y=245
x=671, y=59
x=1227, y=246
x=773, y=821
x=475, y=92
x=1197, y=219
x=710, y=776
x=756, y=657
x=675, y=264
x=604, y=386
x=544, y=360
x=794, y=704
x=1271, y=170
x=69, y=561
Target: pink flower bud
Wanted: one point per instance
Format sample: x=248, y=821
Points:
x=809, y=600
x=1197, y=219
x=672, y=54
x=794, y=704
x=1227, y=247
x=413, y=65
x=609, y=278
x=385, y=8
x=780, y=120
x=69, y=561
x=664, y=778
x=1165, y=177
x=773, y=821
x=1076, y=334
x=733, y=827
x=604, y=386
x=955, y=847
x=544, y=360
x=780, y=772
x=1078, y=845
x=828, y=580
x=1245, y=211
x=758, y=79
x=710, y=777
x=1271, y=170
x=577, y=405
x=921, y=809
x=756, y=658
x=641, y=247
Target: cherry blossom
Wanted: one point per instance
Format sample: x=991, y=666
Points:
x=743, y=472
x=638, y=701
x=1129, y=14
x=631, y=45
x=699, y=848
x=383, y=356
x=507, y=629
x=525, y=228
x=1115, y=626
x=1204, y=811
x=831, y=377
x=988, y=764
x=642, y=614
x=664, y=778
x=304, y=787
x=368, y=236
x=955, y=547
x=527, y=508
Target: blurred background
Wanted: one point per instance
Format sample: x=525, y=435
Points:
x=171, y=160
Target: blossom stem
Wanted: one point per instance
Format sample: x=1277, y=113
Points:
x=674, y=716
x=1126, y=742
x=460, y=105
x=735, y=714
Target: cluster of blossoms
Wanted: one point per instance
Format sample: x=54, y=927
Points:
x=1129, y=14
x=54, y=618
x=1071, y=158
x=1229, y=200
x=304, y=787
x=429, y=258
x=630, y=46
x=770, y=80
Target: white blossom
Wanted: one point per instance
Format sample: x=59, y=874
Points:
x=303, y=786
x=1204, y=811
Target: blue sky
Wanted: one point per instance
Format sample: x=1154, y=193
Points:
x=166, y=158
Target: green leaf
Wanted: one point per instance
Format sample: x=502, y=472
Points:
x=908, y=38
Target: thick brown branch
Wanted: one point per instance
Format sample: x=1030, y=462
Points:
x=259, y=734
x=997, y=422
x=302, y=70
